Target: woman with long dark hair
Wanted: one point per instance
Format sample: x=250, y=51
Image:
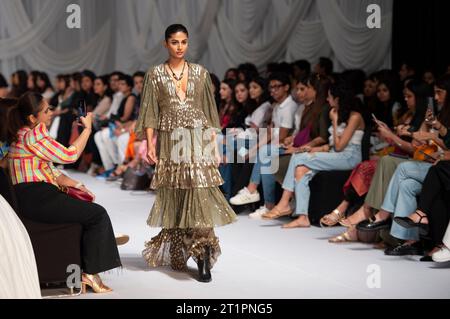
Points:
x=342, y=153
x=178, y=103
x=39, y=186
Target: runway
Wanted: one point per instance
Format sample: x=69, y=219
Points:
x=260, y=260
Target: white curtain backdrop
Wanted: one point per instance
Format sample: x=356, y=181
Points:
x=127, y=35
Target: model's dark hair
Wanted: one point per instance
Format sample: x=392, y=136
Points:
x=347, y=101
x=28, y=104
x=443, y=83
x=174, y=28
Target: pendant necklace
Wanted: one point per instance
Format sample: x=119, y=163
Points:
x=178, y=79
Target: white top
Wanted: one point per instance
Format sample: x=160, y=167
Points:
x=117, y=99
x=395, y=108
x=283, y=116
x=48, y=94
x=355, y=140
x=257, y=117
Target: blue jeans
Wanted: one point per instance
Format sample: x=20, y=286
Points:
x=400, y=198
x=264, y=170
x=316, y=162
x=226, y=169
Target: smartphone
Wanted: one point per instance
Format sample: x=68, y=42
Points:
x=374, y=118
x=82, y=108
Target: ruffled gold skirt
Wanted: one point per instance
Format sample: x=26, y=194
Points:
x=187, y=192
x=188, y=204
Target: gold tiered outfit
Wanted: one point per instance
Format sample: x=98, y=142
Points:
x=189, y=203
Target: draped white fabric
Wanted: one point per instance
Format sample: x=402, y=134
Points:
x=127, y=35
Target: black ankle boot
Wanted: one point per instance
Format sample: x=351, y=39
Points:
x=204, y=266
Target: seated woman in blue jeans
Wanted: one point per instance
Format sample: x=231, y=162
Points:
x=311, y=131
x=247, y=96
x=406, y=183
x=342, y=153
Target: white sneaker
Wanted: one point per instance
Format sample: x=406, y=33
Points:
x=441, y=255
x=257, y=214
x=245, y=197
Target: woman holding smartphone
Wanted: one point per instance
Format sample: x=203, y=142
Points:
x=39, y=186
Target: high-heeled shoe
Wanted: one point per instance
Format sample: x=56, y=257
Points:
x=94, y=282
x=204, y=266
x=409, y=223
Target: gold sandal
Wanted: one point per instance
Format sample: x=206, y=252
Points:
x=332, y=219
x=276, y=213
x=342, y=238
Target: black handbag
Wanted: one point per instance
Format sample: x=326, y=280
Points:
x=137, y=179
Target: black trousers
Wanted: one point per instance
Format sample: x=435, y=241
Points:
x=6, y=189
x=435, y=200
x=45, y=203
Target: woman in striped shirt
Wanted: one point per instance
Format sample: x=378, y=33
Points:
x=37, y=184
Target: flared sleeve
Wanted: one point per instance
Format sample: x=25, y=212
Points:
x=209, y=105
x=149, y=110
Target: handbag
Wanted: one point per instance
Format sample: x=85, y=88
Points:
x=137, y=179
x=77, y=193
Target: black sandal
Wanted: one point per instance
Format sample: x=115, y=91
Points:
x=409, y=223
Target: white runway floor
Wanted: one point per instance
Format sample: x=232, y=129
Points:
x=261, y=260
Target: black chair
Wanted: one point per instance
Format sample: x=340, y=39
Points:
x=55, y=246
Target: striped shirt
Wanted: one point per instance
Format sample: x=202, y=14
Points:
x=31, y=158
